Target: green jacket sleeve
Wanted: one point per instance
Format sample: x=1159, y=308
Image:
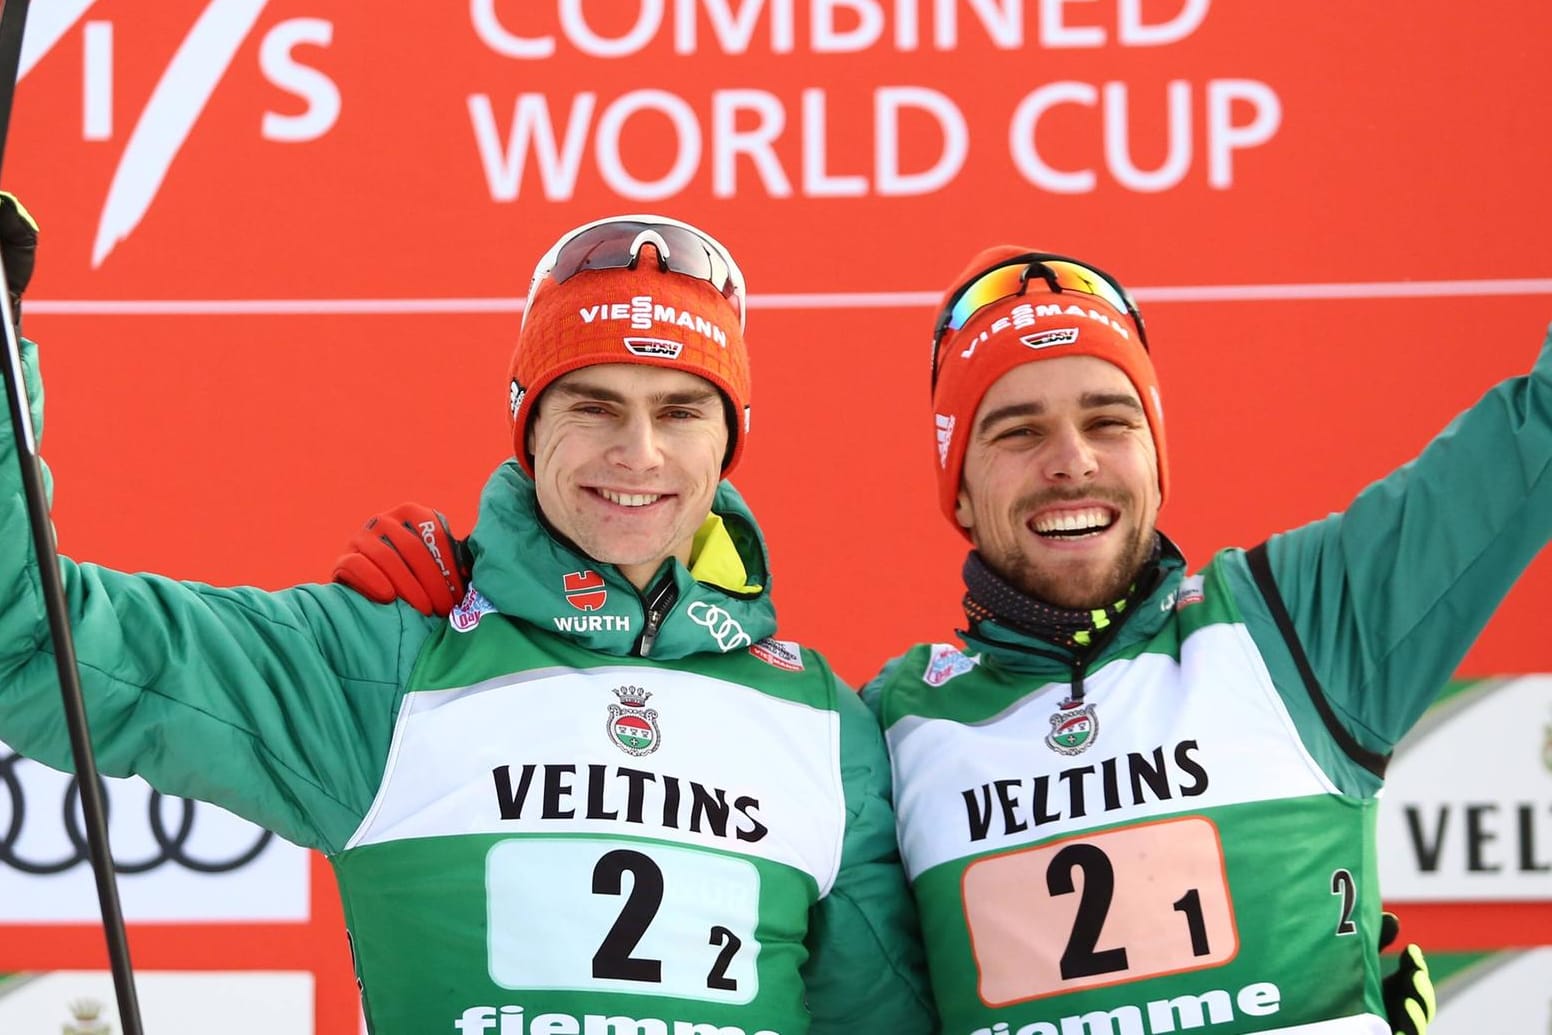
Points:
x=872, y=692
x=866, y=973
x=1387, y=597
x=277, y=706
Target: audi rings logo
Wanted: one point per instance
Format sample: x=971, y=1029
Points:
x=171, y=822
x=722, y=626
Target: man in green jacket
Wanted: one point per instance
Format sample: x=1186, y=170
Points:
x=1134, y=799
x=1177, y=772
x=600, y=798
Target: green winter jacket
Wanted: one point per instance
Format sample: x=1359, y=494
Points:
x=530, y=822
x=1190, y=843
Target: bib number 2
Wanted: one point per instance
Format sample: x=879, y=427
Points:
x=1135, y=903
x=585, y=914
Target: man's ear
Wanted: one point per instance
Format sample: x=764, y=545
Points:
x=962, y=510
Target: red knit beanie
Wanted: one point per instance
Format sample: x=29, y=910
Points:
x=642, y=315
x=1039, y=324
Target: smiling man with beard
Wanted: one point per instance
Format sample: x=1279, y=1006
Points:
x=1134, y=799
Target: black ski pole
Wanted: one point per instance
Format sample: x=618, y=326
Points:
x=13, y=20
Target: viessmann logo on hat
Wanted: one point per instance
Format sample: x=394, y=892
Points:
x=643, y=314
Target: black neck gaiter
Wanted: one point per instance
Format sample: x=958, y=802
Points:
x=988, y=596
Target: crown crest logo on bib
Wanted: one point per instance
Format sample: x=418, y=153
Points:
x=632, y=725
x=1074, y=728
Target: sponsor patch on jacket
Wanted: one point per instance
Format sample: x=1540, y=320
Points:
x=465, y=614
x=585, y=590
x=1190, y=592
x=779, y=653
x=722, y=626
x=946, y=662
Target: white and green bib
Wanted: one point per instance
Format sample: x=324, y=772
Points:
x=1124, y=864
x=586, y=847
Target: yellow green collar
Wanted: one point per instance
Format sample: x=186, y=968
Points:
x=715, y=560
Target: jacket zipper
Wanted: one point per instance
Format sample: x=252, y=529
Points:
x=661, y=602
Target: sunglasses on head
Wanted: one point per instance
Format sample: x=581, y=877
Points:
x=1011, y=277
x=616, y=243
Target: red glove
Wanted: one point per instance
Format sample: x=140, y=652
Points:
x=407, y=553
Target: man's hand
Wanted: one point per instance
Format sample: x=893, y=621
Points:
x=1409, y=998
x=407, y=553
x=18, y=249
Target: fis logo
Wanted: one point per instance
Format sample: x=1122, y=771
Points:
x=202, y=61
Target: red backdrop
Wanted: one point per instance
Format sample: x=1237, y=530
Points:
x=1334, y=233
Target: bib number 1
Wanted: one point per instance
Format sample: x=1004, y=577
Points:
x=590, y=914
x=1134, y=903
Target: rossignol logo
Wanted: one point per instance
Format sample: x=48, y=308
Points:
x=779, y=653
x=585, y=590
x=946, y=662
x=1074, y=728
x=428, y=535
x=1048, y=339
x=632, y=725
x=644, y=314
x=654, y=348
x=724, y=628
x=516, y=392
x=466, y=614
x=945, y=437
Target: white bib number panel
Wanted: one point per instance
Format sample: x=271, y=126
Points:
x=591, y=914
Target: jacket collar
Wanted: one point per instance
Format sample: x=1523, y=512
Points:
x=721, y=602
x=1141, y=620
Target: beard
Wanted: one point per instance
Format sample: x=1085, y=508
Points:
x=1077, y=586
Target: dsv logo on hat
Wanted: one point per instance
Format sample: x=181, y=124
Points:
x=659, y=348
x=177, y=859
